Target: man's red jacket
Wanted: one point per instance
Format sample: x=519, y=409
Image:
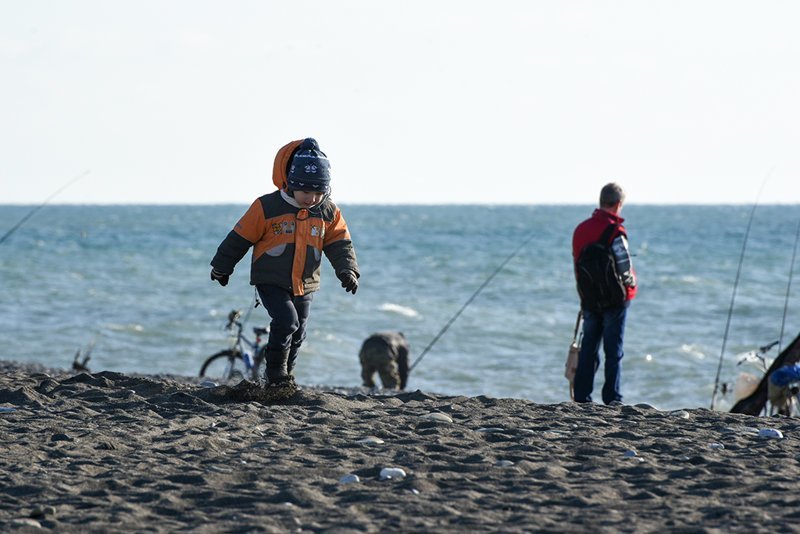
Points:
x=590, y=231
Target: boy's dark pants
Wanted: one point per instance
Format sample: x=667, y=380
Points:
x=607, y=326
x=289, y=315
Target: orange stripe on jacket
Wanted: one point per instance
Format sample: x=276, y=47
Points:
x=252, y=225
x=300, y=250
x=336, y=229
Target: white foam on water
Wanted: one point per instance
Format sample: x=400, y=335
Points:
x=125, y=327
x=397, y=308
x=692, y=350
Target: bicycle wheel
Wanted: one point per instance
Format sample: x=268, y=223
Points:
x=226, y=366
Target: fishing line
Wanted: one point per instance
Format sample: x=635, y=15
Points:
x=469, y=301
x=40, y=206
x=788, y=288
x=253, y=306
x=735, y=287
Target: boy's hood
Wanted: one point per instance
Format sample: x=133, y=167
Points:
x=282, y=159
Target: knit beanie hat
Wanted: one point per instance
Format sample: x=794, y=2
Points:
x=310, y=169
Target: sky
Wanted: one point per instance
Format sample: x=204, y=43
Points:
x=414, y=101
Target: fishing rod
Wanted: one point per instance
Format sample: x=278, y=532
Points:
x=468, y=302
x=788, y=288
x=735, y=287
x=40, y=206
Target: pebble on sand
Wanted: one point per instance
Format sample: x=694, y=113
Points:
x=26, y=522
x=437, y=417
x=388, y=473
x=371, y=440
x=683, y=414
x=349, y=479
x=43, y=511
x=770, y=433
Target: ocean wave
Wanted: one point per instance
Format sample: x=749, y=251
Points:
x=133, y=327
x=397, y=308
x=693, y=350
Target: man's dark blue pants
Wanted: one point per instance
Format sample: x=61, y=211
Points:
x=608, y=327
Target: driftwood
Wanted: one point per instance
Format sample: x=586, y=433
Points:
x=755, y=403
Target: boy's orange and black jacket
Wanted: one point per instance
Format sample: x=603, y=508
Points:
x=287, y=241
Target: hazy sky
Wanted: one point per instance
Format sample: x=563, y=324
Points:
x=414, y=101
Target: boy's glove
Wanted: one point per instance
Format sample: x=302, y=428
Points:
x=222, y=278
x=349, y=281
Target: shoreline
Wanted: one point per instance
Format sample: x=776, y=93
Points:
x=110, y=451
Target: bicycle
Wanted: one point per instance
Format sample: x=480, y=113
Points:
x=245, y=358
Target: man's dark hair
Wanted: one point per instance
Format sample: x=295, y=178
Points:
x=611, y=194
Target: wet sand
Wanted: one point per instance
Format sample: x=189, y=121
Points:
x=113, y=452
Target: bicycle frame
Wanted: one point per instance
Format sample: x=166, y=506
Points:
x=250, y=350
x=243, y=358
x=242, y=344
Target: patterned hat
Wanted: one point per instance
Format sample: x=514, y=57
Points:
x=310, y=169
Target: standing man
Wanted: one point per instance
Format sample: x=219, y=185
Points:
x=606, y=284
x=387, y=354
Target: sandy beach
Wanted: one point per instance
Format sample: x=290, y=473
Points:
x=112, y=452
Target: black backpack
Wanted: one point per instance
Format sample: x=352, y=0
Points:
x=599, y=285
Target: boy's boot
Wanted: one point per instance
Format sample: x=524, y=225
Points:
x=278, y=386
x=290, y=362
x=276, y=360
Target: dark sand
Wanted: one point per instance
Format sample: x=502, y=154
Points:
x=112, y=452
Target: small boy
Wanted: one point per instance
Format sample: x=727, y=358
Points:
x=289, y=229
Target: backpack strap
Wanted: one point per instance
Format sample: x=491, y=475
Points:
x=605, y=237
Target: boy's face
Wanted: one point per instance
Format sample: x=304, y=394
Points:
x=306, y=199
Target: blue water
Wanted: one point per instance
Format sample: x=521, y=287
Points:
x=135, y=279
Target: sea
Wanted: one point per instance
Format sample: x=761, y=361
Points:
x=131, y=283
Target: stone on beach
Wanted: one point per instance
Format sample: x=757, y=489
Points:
x=490, y=429
x=389, y=473
x=371, y=440
x=437, y=417
x=26, y=523
x=681, y=414
x=43, y=511
x=770, y=433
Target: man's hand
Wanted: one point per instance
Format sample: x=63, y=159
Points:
x=222, y=278
x=349, y=281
